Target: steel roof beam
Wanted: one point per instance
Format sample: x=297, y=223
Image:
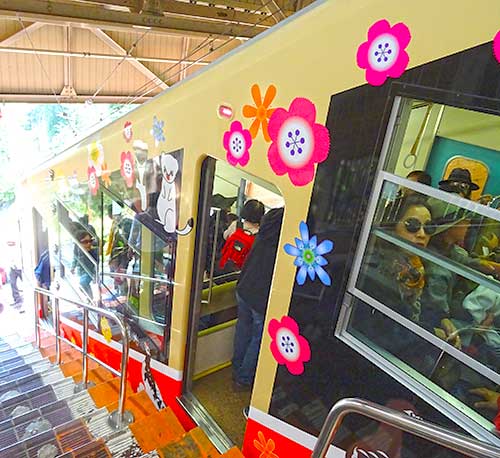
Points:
x=86, y=15
x=50, y=98
x=105, y=38
x=95, y=55
x=20, y=34
x=198, y=11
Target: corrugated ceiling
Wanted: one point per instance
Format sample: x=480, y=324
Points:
x=58, y=51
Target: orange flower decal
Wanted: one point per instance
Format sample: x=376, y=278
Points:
x=261, y=111
x=105, y=173
x=265, y=448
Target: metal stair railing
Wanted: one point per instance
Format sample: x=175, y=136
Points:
x=423, y=429
x=120, y=417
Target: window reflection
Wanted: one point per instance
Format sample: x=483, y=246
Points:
x=419, y=264
x=137, y=265
x=421, y=360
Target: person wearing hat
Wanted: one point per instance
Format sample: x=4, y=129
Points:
x=459, y=182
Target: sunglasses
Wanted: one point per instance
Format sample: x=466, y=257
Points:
x=413, y=225
x=459, y=186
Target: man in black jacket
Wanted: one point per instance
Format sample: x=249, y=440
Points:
x=252, y=293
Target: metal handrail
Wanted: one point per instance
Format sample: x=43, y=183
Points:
x=139, y=277
x=214, y=253
x=119, y=417
x=428, y=431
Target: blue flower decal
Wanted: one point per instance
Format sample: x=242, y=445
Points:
x=309, y=257
x=157, y=131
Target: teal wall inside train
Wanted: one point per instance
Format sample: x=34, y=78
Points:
x=444, y=149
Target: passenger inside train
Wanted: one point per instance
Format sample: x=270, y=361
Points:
x=432, y=257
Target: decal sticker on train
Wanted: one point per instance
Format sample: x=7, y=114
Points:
x=288, y=346
x=265, y=446
x=157, y=131
x=261, y=111
x=166, y=205
x=298, y=142
x=309, y=256
x=383, y=55
x=127, y=131
x=127, y=168
x=237, y=142
x=496, y=46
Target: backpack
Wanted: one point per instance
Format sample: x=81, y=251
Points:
x=237, y=247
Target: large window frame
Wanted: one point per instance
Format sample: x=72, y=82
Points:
x=407, y=376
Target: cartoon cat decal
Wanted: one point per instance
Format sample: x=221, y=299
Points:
x=166, y=204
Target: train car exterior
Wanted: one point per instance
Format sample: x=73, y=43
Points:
x=327, y=115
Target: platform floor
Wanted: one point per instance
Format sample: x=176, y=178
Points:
x=225, y=406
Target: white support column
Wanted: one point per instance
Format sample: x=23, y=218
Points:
x=68, y=89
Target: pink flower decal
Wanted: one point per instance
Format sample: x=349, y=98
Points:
x=127, y=168
x=237, y=142
x=496, y=46
x=383, y=55
x=288, y=346
x=93, y=181
x=298, y=142
x=127, y=131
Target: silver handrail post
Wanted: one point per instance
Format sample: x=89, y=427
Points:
x=37, y=322
x=214, y=253
x=121, y=417
x=56, y=320
x=85, y=338
x=425, y=430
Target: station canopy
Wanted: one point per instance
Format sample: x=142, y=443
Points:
x=120, y=51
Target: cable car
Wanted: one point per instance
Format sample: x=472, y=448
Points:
x=372, y=128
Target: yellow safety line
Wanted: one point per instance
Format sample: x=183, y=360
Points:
x=212, y=370
x=218, y=327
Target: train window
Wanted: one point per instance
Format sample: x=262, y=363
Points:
x=78, y=251
x=137, y=266
x=424, y=290
x=126, y=259
x=421, y=362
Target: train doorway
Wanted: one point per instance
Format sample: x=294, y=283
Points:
x=229, y=198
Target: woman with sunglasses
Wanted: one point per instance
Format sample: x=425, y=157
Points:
x=394, y=276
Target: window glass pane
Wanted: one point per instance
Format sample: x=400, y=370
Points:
x=77, y=204
x=426, y=364
x=138, y=270
x=426, y=260
x=446, y=147
x=78, y=260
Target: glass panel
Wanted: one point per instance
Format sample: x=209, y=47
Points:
x=78, y=260
x=446, y=147
x=80, y=206
x=444, y=375
x=417, y=264
x=138, y=269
